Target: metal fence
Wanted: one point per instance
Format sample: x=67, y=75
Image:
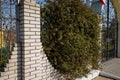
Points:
x=7, y=30
x=111, y=42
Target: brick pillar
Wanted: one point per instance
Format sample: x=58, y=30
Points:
x=35, y=65
x=29, y=36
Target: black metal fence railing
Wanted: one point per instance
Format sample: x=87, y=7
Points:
x=110, y=51
x=7, y=30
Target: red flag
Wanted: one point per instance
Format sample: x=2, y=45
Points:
x=102, y=1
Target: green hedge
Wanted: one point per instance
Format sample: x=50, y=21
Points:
x=4, y=56
x=70, y=34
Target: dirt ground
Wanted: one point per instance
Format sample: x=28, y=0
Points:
x=101, y=78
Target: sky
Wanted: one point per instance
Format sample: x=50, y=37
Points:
x=42, y=1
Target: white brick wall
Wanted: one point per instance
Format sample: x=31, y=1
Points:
x=11, y=69
x=31, y=63
x=35, y=65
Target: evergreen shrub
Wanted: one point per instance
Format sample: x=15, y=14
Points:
x=70, y=35
x=4, y=56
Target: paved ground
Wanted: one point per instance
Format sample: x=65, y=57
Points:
x=112, y=66
x=101, y=78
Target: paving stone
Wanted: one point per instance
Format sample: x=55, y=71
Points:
x=101, y=78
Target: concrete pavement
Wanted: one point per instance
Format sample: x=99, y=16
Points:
x=112, y=67
x=101, y=78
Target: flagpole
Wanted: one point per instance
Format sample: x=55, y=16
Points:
x=107, y=29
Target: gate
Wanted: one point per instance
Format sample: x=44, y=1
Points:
x=7, y=30
x=110, y=33
x=110, y=43
x=109, y=28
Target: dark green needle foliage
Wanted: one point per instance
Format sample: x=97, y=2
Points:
x=70, y=35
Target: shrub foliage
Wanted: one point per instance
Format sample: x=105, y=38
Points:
x=70, y=34
x=4, y=56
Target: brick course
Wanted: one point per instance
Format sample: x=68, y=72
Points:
x=11, y=70
x=28, y=60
